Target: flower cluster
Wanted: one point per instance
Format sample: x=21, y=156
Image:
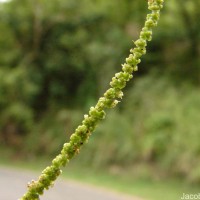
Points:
x=109, y=100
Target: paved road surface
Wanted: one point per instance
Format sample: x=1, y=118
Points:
x=13, y=185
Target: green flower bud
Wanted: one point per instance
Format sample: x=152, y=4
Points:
x=44, y=180
x=141, y=43
x=135, y=68
x=155, y=16
x=100, y=103
x=113, y=83
x=108, y=103
x=82, y=129
x=40, y=188
x=121, y=83
x=127, y=68
x=69, y=150
x=89, y=121
x=114, y=103
x=150, y=23
x=56, y=161
x=110, y=93
x=75, y=138
x=119, y=94
x=47, y=171
x=60, y=160
x=147, y=35
x=154, y=7
x=138, y=52
x=97, y=114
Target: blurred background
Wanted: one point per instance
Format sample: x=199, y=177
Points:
x=57, y=58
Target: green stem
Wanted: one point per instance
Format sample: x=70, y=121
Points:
x=109, y=100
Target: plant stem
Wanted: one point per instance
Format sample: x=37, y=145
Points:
x=97, y=113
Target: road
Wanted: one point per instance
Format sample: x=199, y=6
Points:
x=13, y=185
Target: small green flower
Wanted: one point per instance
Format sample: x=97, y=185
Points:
x=97, y=113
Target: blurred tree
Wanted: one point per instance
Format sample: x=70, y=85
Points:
x=63, y=51
x=190, y=13
x=57, y=56
x=177, y=42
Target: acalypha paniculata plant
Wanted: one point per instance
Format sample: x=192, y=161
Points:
x=97, y=113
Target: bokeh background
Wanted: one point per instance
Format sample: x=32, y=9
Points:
x=57, y=58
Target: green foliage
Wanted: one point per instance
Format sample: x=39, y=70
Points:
x=165, y=125
x=16, y=121
x=157, y=128
x=47, y=137
x=57, y=44
x=111, y=145
x=56, y=59
x=16, y=117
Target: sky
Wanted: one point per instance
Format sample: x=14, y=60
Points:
x=3, y=0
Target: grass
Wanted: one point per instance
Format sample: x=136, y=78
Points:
x=145, y=188
x=127, y=184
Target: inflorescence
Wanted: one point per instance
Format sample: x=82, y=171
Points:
x=109, y=100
